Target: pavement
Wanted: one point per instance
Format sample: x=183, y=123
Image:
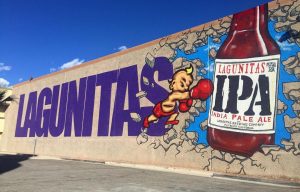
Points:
x=36, y=173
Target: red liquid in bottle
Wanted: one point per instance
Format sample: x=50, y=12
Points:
x=243, y=107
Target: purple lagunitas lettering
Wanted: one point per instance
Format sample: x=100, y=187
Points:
x=68, y=109
x=243, y=105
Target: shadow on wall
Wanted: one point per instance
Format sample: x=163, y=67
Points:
x=11, y=162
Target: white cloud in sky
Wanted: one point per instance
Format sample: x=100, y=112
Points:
x=20, y=79
x=4, y=67
x=123, y=47
x=52, y=69
x=3, y=82
x=72, y=63
x=67, y=65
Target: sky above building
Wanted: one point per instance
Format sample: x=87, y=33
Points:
x=38, y=37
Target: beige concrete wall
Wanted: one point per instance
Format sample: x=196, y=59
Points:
x=1, y=122
x=179, y=146
x=3, y=109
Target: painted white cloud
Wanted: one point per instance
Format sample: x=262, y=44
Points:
x=3, y=82
x=122, y=48
x=210, y=68
x=72, y=63
x=285, y=45
x=4, y=67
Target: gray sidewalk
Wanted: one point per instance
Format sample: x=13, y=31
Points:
x=24, y=173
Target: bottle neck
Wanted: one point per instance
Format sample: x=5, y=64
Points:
x=251, y=19
x=249, y=31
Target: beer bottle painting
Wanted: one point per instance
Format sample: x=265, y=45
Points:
x=243, y=104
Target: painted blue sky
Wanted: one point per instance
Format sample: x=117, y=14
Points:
x=39, y=37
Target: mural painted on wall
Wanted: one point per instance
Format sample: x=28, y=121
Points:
x=252, y=117
x=232, y=95
x=181, y=93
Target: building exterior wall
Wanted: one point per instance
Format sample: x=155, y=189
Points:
x=1, y=122
x=96, y=110
x=2, y=111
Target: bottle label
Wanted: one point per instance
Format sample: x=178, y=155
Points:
x=245, y=95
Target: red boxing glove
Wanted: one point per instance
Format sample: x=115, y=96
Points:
x=185, y=105
x=202, y=90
